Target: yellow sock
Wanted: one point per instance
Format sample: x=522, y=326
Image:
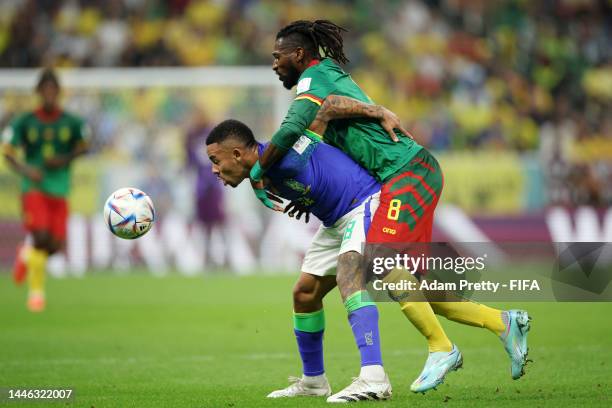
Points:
x=423, y=318
x=420, y=313
x=471, y=313
x=37, y=262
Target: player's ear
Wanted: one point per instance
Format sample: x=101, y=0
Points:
x=299, y=55
x=237, y=154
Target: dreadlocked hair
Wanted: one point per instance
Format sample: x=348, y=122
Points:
x=314, y=36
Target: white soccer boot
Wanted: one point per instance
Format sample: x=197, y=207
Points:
x=304, y=386
x=363, y=390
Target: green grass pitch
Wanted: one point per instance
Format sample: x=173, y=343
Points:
x=139, y=341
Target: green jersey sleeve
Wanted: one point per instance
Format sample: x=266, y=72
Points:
x=313, y=87
x=301, y=114
x=13, y=133
x=317, y=82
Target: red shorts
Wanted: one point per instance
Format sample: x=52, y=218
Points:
x=42, y=212
x=408, y=202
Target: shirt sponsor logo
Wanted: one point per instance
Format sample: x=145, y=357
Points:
x=303, y=85
x=389, y=231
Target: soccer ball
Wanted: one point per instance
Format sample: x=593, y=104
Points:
x=129, y=213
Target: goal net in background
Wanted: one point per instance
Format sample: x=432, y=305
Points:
x=140, y=119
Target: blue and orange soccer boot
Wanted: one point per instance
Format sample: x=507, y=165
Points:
x=515, y=340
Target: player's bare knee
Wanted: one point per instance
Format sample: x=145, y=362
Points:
x=307, y=296
x=303, y=297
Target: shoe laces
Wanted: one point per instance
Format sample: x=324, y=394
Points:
x=432, y=360
x=507, y=321
x=356, y=384
x=296, y=383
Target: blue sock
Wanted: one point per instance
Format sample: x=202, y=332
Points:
x=363, y=317
x=309, y=328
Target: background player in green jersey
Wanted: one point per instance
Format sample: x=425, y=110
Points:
x=412, y=181
x=50, y=139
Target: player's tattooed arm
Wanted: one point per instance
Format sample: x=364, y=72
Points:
x=349, y=275
x=343, y=107
x=271, y=154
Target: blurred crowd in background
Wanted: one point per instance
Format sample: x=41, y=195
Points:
x=528, y=76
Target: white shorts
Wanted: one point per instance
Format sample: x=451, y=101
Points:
x=347, y=234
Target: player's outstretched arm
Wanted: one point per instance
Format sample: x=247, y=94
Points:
x=343, y=107
x=19, y=167
x=271, y=155
x=11, y=140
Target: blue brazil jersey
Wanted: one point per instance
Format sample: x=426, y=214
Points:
x=321, y=178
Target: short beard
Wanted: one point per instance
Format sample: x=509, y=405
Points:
x=291, y=79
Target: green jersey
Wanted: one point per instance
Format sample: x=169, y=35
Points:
x=363, y=139
x=43, y=136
